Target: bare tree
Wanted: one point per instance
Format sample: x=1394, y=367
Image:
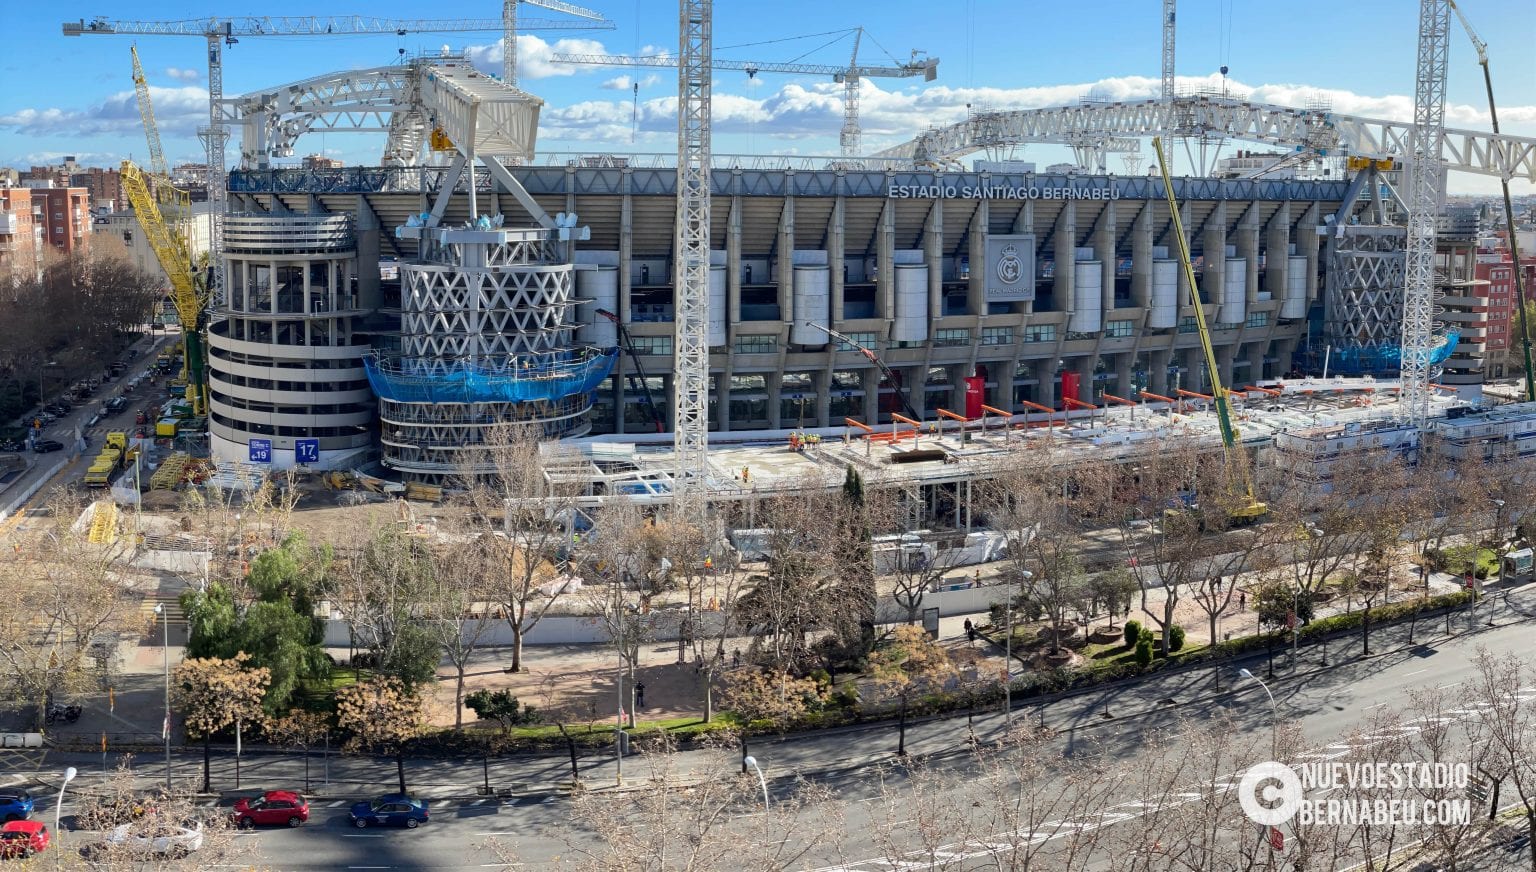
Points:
x=1505, y=734
x=299, y=729
x=383, y=714
x=909, y=664
x=384, y=590
x=458, y=611
x=213, y=693
x=769, y=697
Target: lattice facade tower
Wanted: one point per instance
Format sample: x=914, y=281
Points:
x=285, y=360
x=486, y=341
x=1365, y=286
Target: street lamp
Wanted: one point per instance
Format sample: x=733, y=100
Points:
x=752, y=761
x=1008, y=653
x=1274, y=714
x=58, y=809
x=165, y=656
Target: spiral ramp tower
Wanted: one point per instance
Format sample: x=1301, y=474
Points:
x=488, y=320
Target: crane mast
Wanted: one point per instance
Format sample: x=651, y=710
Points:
x=1424, y=179
x=690, y=382
x=509, y=30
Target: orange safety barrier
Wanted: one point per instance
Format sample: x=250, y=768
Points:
x=1037, y=407
x=1272, y=393
x=859, y=424
x=993, y=410
x=1077, y=404
x=945, y=413
x=905, y=420
x=1121, y=400
x=1192, y=394
x=1151, y=396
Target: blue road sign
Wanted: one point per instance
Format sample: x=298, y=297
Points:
x=261, y=450
x=306, y=450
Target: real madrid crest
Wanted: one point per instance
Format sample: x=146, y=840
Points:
x=1009, y=267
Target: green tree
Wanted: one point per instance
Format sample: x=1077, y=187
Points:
x=280, y=630
x=1144, y=649
x=502, y=707
x=389, y=581
x=1132, y=632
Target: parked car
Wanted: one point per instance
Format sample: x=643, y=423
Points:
x=22, y=839
x=272, y=808
x=158, y=840
x=116, y=404
x=11, y=445
x=47, y=446
x=16, y=805
x=394, y=809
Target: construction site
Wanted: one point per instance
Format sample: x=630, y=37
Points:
x=692, y=328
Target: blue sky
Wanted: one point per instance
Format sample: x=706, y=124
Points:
x=74, y=95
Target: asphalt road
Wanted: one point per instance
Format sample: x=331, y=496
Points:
x=1326, y=703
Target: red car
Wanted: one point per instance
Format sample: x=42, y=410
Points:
x=23, y=838
x=272, y=807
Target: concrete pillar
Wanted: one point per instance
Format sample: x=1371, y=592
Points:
x=975, y=292
x=733, y=263
x=368, y=240
x=784, y=263
x=1308, y=240
x=1214, y=243
x=1157, y=372
x=626, y=250
x=1063, y=286
x=1104, y=252
x=773, y=381
x=837, y=256
x=1024, y=222
x=1084, y=367
x=1277, y=242
x=1185, y=296
x=885, y=263
x=933, y=255
x=822, y=382
x=870, y=377
x=1123, y=365
x=1248, y=249
x=1141, y=257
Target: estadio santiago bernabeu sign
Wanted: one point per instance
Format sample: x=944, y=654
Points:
x=1000, y=192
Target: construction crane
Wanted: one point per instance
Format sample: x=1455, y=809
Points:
x=168, y=241
x=219, y=32
x=890, y=377
x=851, y=136
x=690, y=380
x=1231, y=446
x=1509, y=209
x=509, y=30
x=1424, y=174
x=643, y=387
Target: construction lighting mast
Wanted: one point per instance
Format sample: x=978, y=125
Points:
x=219, y=32
x=1509, y=208
x=509, y=30
x=850, y=137
x=1425, y=172
x=690, y=388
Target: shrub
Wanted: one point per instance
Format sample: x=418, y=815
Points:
x=1132, y=632
x=1175, y=637
x=1145, y=635
x=1144, y=650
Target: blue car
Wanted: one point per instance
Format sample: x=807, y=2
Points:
x=395, y=809
x=16, y=805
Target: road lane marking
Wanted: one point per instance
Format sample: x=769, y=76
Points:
x=1415, y=672
x=496, y=834
x=362, y=836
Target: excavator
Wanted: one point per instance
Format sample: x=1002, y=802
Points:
x=1248, y=508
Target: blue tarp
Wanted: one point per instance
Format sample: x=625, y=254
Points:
x=1377, y=359
x=525, y=378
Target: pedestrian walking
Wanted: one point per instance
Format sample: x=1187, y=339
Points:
x=970, y=631
x=639, y=694
x=736, y=659
x=1242, y=600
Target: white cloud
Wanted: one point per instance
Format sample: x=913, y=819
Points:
x=178, y=112
x=617, y=83
x=533, y=56
x=650, y=81
x=181, y=75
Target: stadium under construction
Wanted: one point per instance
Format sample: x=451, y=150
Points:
x=397, y=312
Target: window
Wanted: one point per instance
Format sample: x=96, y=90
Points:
x=748, y=383
x=938, y=375
x=652, y=344
x=847, y=379
x=1187, y=324
x=1025, y=370
x=1120, y=329
x=756, y=344
x=997, y=336
x=865, y=339
x=1258, y=319
x=1040, y=333
x=951, y=336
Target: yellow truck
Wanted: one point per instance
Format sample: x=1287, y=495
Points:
x=111, y=458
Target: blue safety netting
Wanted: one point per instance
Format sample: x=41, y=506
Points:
x=520, y=379
x=1375, y=359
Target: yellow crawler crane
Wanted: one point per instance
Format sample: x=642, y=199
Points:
x=1236, y=456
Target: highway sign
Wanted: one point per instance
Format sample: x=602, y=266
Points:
x=261, y=450
x=306, y=450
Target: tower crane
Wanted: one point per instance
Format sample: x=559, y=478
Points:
x=1231, y=446
x=690, y=380
x=849, y=76
x=219, y=32
x=1509, y=209
x=509, y=30
x=1424, y=174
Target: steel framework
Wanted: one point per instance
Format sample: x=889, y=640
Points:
x=691, y=380
x=1424, y=195
x=509, y=30
x=1325, y=134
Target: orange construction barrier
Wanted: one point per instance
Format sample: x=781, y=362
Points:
x=1272, y=393
x=859, y=424
x=1192, y=394
x=1121, y=400
x=1151, y=396
x=945, y=413
x=1072, y=403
